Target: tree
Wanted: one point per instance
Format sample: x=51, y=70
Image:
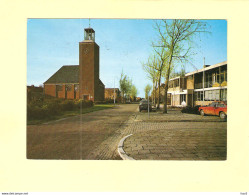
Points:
x=133, y=92
x=162, y=62
x=177, y=74
x=175, y=37
x=154, y=69
x=125, y=84
x=147, y=90
x=151, y=68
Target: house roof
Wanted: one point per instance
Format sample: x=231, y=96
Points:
x=207, y=68
x=111, y=88
x=66, y=74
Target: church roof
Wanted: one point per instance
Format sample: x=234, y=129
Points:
x=66, y=74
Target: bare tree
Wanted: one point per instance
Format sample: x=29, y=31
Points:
x=175, y=37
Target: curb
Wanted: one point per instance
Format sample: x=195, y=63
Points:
x=121, y=151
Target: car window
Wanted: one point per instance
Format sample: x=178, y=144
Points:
x=220, y=105
x=212, y=104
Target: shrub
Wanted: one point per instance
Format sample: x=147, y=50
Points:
x=68, y=105
x=191, y=110
x=84, y=104
x=49, y=108
x=35, y=112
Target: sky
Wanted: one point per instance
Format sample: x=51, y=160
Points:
x=124, y=45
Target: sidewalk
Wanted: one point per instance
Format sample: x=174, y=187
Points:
x=176, y=136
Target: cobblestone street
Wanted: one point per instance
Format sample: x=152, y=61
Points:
x=172, y=136
x=176, y=136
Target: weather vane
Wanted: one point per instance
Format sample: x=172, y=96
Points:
x=89, y=23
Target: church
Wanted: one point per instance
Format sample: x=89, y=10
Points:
x=79, y=81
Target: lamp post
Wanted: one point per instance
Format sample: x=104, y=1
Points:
x=148, y=103
x=114, y=91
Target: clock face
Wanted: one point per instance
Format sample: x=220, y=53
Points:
x=86, y=50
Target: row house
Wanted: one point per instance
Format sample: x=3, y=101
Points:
x=199, y=87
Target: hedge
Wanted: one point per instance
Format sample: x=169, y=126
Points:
x=191, y=110
x=52, y=107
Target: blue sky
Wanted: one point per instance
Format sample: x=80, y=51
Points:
x=124, y=45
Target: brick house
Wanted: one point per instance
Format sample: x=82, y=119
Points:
x=79, y=81
x=109, y=93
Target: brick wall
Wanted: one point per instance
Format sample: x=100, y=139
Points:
x=175, y=100
x=109, y=93
x=50, y=90
x=61, y=94
x=88, y=60
x=70, y=94
x=190, y=82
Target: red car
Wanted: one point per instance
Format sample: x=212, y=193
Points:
x=218, y=108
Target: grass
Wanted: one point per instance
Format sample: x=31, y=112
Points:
x=66, y=114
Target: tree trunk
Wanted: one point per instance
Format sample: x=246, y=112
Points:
x=153, y=97
x=165, y=97
x=167, y=82
x=159, y=91
x=155, y=89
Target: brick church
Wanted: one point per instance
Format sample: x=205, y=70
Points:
x=79, y=81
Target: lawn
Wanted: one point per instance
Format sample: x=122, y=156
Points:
x=66, y=114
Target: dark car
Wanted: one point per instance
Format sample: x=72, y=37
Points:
x=218, y=108
x=143, y=105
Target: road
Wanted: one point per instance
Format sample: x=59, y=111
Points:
x=174, y=136
x=89, y=136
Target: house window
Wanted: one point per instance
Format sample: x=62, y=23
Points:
x=190, y=77
x=223, y=94
x=68, y=87
x=58, y=87
x=212, y=95
x=170, y=84
x=76, y=87
x=223, y=76
x=176, y=83
x=182, y=98
x=199, y=96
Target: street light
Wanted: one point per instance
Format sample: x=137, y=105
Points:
x=148, y=104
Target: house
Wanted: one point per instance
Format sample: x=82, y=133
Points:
x=79, y=81
x=110, y=93
x=199, y=87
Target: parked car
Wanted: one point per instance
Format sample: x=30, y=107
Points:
x=143, y=105
x=218, y=108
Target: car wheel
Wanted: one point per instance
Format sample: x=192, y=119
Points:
x=222, y=115
x=202, y=113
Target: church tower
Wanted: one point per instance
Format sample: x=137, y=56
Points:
x=90, y=86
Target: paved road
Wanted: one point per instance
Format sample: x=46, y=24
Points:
x=90, y=136
x=174, y=136
x=177, y=141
